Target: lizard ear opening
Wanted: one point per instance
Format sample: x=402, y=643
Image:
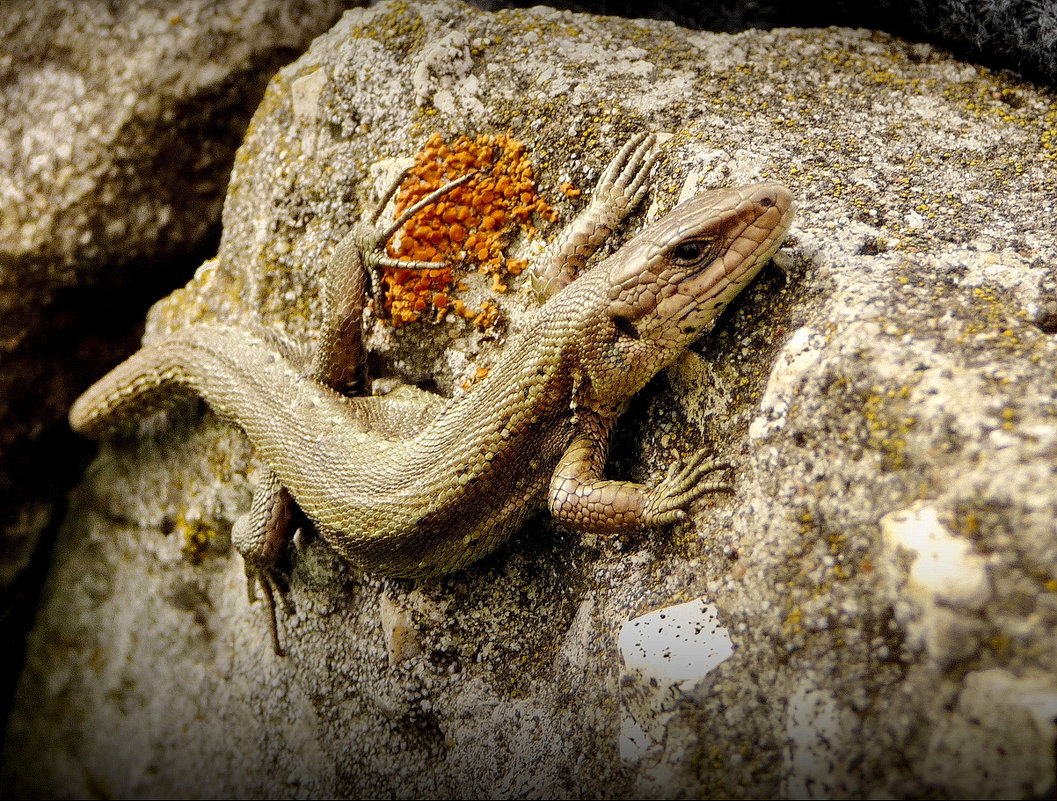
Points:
x=625, y=327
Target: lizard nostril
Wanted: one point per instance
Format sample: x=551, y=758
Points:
x=767, y=201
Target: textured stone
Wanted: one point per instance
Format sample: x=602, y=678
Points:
x=120, y=123
x=906, y=355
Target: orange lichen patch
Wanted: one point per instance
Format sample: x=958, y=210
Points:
x=412, y=291
x=478, y=375
x=487, y=317
x=469, y=226
x=569, y=190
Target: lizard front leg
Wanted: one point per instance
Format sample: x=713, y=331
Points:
x=616, y=195
x=581, y=499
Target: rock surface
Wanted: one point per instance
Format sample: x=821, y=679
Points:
x=120, y=123
x=1012, y=34
x=885, y=572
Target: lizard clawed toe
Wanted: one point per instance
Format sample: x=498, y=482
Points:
x=370, y=240
x=625, y=180
x=273, y=586
x=681, y=486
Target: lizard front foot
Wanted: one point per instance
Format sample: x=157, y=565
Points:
x=581, y=499
x=667, y=501
x=618, y=192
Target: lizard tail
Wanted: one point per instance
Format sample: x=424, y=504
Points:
x=207, y=361
x=138, y=387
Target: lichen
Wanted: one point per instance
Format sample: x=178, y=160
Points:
x=197, y=538
x=468, y=228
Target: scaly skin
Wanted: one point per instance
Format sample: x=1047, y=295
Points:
x=533, y=434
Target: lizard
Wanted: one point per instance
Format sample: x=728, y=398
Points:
x=415, y=485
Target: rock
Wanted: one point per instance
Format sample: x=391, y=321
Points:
x=821, y=746
x=897, y=362
x=938, y=600
x=1001, y=719
x=120, y=127
x=666, y=654
x=1015, y=34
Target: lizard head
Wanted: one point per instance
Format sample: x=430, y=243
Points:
x=668, y=285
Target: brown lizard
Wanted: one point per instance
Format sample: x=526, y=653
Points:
x=413, y=485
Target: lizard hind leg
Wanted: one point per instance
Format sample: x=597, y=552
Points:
x=351, y=274
x=338, y=363
x=260, y=536
x=373, y=249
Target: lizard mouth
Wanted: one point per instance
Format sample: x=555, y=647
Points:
x=676, y=277
x=774, y=199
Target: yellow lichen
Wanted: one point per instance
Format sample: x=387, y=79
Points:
x=197, y=538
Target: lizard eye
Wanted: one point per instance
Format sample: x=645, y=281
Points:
x=691, y=252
